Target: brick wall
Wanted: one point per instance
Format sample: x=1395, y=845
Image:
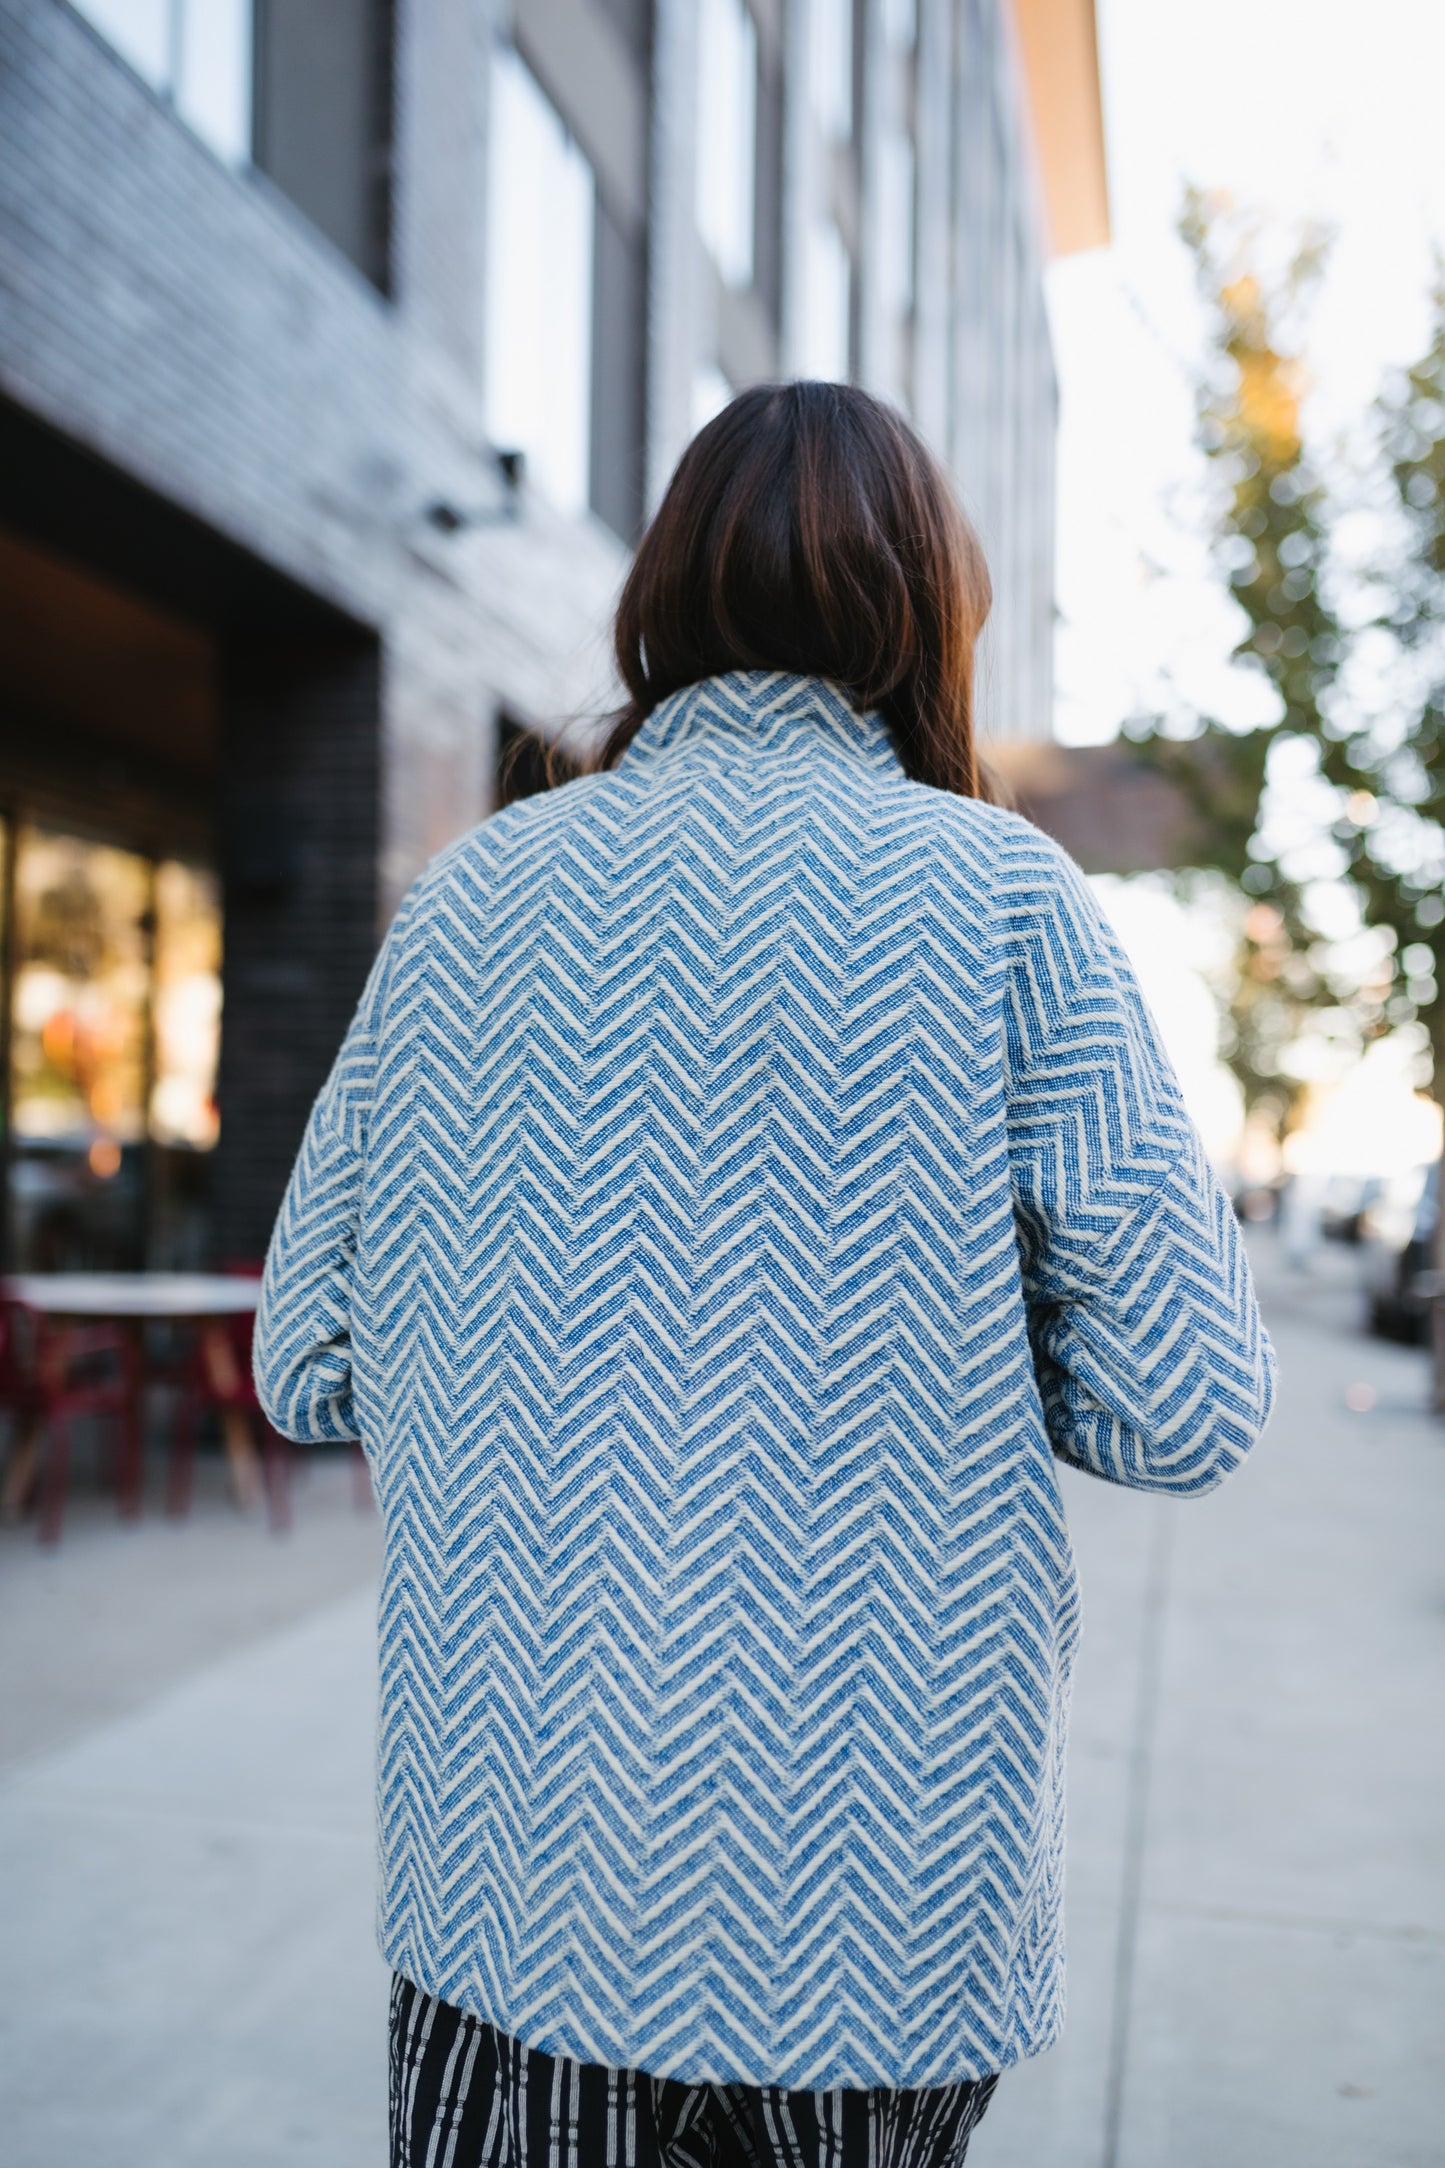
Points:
x=299, y=763
x=186, y=323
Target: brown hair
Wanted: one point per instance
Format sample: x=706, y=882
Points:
x=808, y=528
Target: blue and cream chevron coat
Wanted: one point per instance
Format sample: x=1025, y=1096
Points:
x=747, y=1171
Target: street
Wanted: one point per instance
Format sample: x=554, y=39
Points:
x=1257, y=1843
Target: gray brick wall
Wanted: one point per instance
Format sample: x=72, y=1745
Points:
x=186, y=323
x=299, y=769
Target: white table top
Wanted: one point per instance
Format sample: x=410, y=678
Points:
x=134, y=1294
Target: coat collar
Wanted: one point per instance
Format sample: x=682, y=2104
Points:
x=776, y=709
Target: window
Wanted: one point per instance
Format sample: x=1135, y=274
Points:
x=831, y=66
x=115, y=1009
x=711, y=392
x=196, y=54
x=78, y=1020
x=894, y=234
x=323, y=119
x=896, y=184
x=540, y=244
x=727, y=136
x=185, y=1005
x=827, y=303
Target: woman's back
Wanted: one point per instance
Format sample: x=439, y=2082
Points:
x=748, y=1168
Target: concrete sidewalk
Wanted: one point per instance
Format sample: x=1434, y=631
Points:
x=1257, y=1839
x=1257, y=1844
x=185, y=1881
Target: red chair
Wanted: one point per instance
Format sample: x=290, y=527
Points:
x=217, y=1374
x=20, y=1398
x=52, y=1371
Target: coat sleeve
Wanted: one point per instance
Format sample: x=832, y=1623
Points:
x=1153, y=1365
x=301, y=1357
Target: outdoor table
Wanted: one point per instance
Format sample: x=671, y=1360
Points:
x=130, y=1300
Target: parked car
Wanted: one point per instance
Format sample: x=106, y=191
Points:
x=1347, y=1198
x=1397, y=1246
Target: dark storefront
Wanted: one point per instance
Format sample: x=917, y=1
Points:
x=188, y=775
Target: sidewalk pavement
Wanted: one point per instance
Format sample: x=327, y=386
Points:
x=1257, y=1843
x=1257, y=1802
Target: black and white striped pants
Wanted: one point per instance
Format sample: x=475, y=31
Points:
x=464, y=2095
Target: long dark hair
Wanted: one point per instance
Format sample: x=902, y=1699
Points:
x=808, y=528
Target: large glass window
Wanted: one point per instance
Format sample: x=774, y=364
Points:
x=185, y=1006
x=894, y=235
x=827, y=303
x=78, y=1016
x=196, y=53
x=115, y=1006
x=539, y=287
x=831, y=66
x=727, y=136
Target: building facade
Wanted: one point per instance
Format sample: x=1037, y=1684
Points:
x=344, y=349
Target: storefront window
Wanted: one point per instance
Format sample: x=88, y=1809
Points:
x=186, y=1006
x=114, y=1004
x=78, y=1013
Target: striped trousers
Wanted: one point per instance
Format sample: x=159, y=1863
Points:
x=464, y=2095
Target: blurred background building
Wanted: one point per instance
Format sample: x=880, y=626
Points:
x=345, y=347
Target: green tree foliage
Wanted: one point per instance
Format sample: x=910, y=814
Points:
x=1274, y=543
x=1399, y=858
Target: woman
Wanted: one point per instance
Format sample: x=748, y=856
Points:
x=750, y=1165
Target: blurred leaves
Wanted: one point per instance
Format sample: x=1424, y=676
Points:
x=1355, y=654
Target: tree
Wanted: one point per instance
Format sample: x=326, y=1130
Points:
x=1320, y=628
x=1401, y=868
x=1399, y=864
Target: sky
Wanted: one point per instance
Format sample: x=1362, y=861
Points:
x=1306, y=110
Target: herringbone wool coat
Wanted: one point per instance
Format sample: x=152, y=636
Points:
x=747, y=1170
